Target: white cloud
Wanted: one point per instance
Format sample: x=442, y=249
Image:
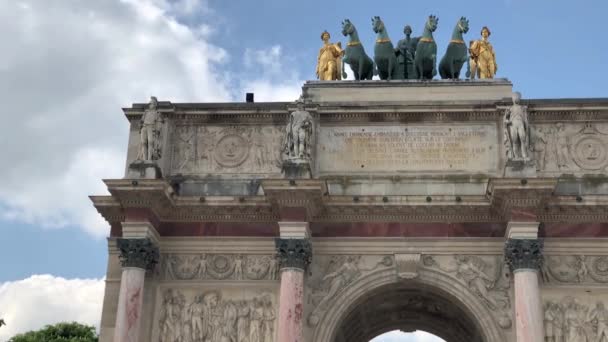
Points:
x=68, y=68
x=32, y=303
x=399, y=336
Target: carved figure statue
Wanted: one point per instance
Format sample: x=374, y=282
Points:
x=406, y=50
x=273, y=268
x=471, y=270
x=563, y=146
x=482, y=60
x=360, y=63
x=456, y=53
x=329, y=67
x=554, y=322
x=425, y=61
x=574, y=317
x=539, y=145
x=599, y=319
x=150, y=132
x=242, y=323
x=269, y=317
x=341, y=277
x=384, y=52
x=299, y=133
x=256, y=321
x=517, y=131
x=238, y=267
x=202, y=268
x=197, y=310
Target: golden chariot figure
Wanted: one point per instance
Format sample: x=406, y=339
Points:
x=482, y=60
x=329, y=62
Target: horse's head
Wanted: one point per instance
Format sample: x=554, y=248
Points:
x=377, y=24
x=431, y=23
x=347, y=27
x=463, y=25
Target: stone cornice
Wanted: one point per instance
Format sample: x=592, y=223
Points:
x=506, y=197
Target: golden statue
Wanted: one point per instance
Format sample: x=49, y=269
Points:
x=482, y=60
x=329, y=62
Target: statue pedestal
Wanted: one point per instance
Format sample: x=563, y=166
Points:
x=146, y=169
x=520, y=169
x=297, y=168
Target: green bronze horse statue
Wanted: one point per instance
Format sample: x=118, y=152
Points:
x=456, y=53
x=354, y=54
x=384, y=52
x=425, y=62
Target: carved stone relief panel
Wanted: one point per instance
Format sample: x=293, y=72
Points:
x=575, y=269
x=332, y=274
x=486, y=276
x=215, y=315
x=574, y=318
x=570, y=148
x=201, y=149
x=219, y=267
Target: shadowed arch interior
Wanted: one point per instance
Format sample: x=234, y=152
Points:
x=406, y=307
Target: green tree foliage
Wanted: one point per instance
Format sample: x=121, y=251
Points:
x=60, y=332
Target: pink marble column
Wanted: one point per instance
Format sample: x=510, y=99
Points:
x=136, y=256
x=294, y=257
x=528, y=306
x=524, y=257
x=130, y=303
x=291, y=304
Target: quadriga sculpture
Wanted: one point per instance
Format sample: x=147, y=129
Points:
x=456, y=53
x=425, y=61
x=360, y=63
x=384, y=52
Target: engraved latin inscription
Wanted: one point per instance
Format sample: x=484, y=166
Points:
x=409, y=148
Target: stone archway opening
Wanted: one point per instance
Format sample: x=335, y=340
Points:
x=405, y=307
x=398, y=335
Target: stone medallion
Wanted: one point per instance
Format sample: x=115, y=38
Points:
x=231, y=150
x=589, y=149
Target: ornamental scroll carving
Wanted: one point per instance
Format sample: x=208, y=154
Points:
x=140, y=253
x=572, y=320
x=234, y=149
x=486, y=276
x=219, y=267
x=570, y=148
x=216, y=316
x=575, y=269
x=333, y=274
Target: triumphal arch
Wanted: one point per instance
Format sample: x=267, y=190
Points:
x=453, y=207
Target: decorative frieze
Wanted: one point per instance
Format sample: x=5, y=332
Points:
x=294, y=253
x=216, y=315
x=524, y=254
x=199, y=149
x=485, y=276
x=333, y=274
x=571, y=320
x=219, y=267
x=577, y=269
x=141, y=253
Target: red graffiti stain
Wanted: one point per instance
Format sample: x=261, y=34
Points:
x=298, y=311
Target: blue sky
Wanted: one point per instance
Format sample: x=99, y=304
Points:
x=72, y=65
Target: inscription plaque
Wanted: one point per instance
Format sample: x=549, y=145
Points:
x=409, y=148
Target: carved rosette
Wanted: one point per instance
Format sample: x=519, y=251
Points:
x=140, y=253
x=524, y=254
x=293, y=253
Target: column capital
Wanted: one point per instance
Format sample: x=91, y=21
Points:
x=140, y=253
x=524, y=254
x=296, y=253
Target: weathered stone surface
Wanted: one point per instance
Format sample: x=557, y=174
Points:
x=453, y=148
x=407, y=91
